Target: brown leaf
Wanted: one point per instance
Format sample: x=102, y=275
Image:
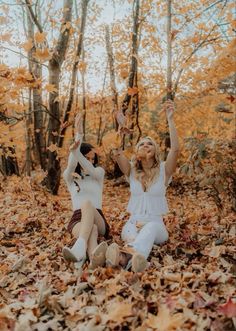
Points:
x=164, y=321
x=118, y=311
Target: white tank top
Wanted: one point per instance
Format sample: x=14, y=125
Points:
x=153, y=201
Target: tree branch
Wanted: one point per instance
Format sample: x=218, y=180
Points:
x=11, y=50
x=34, y=18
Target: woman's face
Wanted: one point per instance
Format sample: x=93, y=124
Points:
x=90, y=156
x=146, y=149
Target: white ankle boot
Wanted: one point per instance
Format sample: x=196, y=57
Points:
x=77, y=253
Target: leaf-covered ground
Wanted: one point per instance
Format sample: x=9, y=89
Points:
x=190, y=284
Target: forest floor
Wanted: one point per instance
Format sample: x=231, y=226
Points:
x=189, y=285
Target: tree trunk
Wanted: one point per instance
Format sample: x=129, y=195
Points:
x=101, y=132
x=134, y=60
x=169, y=95
x=39, y=136
x=84, y=94
x=9, y=164
x=112, y=76
x=74, y=71
x=35, y=69
x=52, y=181
x=28, y=135
x=135, y=111
x=133, y=76
x=169, y=51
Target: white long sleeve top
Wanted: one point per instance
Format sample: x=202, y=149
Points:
x=91, y=186
x=150, y=202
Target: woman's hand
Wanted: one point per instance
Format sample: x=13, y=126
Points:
x=79, y=120
x=74, y=145
x=169, y=107
x=115, y=153
x=141, y=155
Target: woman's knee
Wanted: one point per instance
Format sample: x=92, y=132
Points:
x=86, y=205
x=162, y=236
x=165, y=236
x=129, y=233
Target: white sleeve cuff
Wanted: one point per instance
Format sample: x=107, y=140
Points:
x=79, y=136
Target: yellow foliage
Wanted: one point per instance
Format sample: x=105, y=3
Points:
x=40, y=37
x=42, y=54
x=5, y=36
x=27, y=45
x=111, y=140
x=51, y=88
x=133, y=90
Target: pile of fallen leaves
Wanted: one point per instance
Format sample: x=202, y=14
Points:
x=189, y=285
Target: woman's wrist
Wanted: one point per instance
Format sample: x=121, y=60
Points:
x=170, y=120
x=78, y=135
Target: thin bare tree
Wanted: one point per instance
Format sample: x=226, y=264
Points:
x=112, y=75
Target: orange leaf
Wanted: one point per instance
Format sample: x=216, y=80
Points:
x=42, y=54
x=82, y=66
x=132, y=91
x=6, y=36
x=124, y=73
x=40, y=37
x=27, y=45
x=51, y=88
x=52, y=148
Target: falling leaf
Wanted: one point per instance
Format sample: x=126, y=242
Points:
x=42, y=54
x=132, y=91
x=124, y=73
x=40, y=37
x=28, y=45
x=6, y=37
x=82, y=66
x=52, y=148
x=51, y=88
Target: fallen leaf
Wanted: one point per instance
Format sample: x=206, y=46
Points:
x=228, y=309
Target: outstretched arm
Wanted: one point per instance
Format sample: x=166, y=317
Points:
x=122, y=161
x=171, y=161
x=76, y=156
x=74, y=149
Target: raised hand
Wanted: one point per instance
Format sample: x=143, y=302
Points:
x=79, y=119
x=74, y=145
x=115, y=153
x=120, y=117
x=122, y=121
x=141, y=155
x=169, y=108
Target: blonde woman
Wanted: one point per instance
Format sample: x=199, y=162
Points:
x=148, y=177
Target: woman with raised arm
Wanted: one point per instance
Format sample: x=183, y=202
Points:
x=148, y=177
x=84, y=180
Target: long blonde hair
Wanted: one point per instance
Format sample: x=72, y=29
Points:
x=148, y=177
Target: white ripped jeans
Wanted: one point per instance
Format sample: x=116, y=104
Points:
x=142, y=231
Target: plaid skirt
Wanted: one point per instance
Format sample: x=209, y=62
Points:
x=76, y=218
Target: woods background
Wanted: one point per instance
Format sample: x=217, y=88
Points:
x=61, y=57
